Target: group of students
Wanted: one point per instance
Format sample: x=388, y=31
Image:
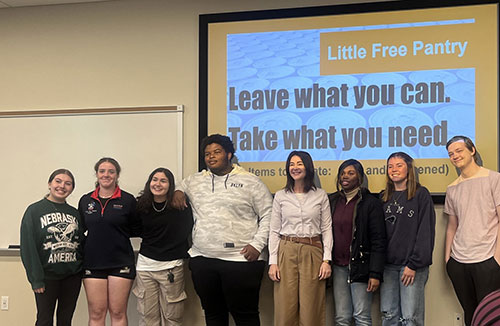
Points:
x=60, y=245
x=360, y=240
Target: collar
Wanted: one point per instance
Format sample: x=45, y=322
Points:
x=351, y=194
x=116, y=194
x=236, y=170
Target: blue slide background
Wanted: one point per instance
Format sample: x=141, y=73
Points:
x=290, y=60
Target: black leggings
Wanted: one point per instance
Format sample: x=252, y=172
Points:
x=65, y=292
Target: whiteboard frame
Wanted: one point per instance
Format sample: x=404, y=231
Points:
x=179, y=121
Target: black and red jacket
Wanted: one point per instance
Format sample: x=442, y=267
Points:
x=109, y=227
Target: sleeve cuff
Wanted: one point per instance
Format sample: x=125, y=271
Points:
x=375, y=275
x=327, y=255
x=37, y=285
x=257, y=246
x=412, y=266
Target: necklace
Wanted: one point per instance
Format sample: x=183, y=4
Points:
x=395, y=200
x=159, y=210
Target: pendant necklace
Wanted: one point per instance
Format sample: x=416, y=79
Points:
x=395, y=200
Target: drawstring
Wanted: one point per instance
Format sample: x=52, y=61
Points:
x=213, y=182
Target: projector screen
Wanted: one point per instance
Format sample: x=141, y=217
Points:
x=352, y=81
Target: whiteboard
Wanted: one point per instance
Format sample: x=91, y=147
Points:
x=35, y=143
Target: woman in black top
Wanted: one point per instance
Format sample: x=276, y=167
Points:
x=109, y=266
x=160, y=265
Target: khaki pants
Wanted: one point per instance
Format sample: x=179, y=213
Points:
x=299, y=297
x=160, y=302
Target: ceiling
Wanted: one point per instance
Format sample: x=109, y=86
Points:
x=24, y=3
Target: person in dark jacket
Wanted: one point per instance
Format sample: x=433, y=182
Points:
x=358, y=248
x=109, y=262
x=410, y=225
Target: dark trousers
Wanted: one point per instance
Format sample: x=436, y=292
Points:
x=472, y=282
x=65, y=292
x=228, y=287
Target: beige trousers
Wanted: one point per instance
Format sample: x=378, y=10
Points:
x=160, y=302
x=299, y=297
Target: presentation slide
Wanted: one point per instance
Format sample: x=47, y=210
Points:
x=357, y=86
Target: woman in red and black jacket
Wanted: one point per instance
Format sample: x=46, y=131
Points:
x=109, y=263
x=359, y=245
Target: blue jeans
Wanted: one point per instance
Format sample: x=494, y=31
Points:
x=351, y=299
x=399, y=304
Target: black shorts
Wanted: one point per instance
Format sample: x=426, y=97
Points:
x=127, y=272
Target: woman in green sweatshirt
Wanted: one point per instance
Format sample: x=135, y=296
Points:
x=51, y=251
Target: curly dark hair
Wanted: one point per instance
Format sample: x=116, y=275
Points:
x=222, y=140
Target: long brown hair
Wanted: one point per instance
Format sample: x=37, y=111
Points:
x=146, y=198
x=411, y=179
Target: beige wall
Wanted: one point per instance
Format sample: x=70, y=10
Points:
x=131, y=53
